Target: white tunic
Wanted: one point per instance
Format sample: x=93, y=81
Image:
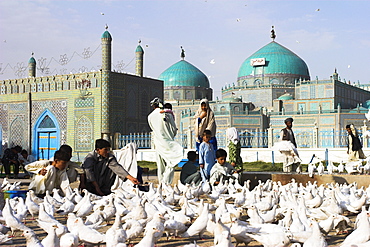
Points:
x=169, y=152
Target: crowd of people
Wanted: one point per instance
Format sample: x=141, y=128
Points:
x=101, y=171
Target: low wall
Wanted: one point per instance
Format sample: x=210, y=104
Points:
x=267, y=155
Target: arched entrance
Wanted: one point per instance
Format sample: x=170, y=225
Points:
x=46, y=136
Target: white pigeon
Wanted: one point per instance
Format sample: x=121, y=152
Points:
x=199, y=225
x=320, y=169
x=31, y=239
x=362, y=233
x=49, y=226
x=311, y=169
x=51, y=239
x=21, y=209
x=148, y=239
x=224, y=240
x=66, y=208
x=254, y=216
x=110, y=208
x=238, y=230
x=327, y=225
x=133, y=229
x=43, y=215
x=316, y=239
x=341, y=167
x=35, y=198
x=97, y=217
x=85, y=208
x=69, y=240
x=56, y=195
x=271, y=239
x=87, y=234
x=116, y=233
x=173, y=227
x=157, y=222
x=367, y=115
x=10, y=220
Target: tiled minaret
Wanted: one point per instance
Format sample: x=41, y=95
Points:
x=106, y=42
x=139, y=60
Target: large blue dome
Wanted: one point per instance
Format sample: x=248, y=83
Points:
x=183, y=74
x=278, y=61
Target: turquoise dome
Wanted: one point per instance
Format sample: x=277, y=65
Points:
x=278, y=60
x=286, y=96
x=366, y=104
x=32, y=60
x=183, y=74
x=106, y=35
x=139, y=49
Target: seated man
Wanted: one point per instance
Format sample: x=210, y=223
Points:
x=50, y=174
x=101, y=168
x=189, y=172
x=9, y=158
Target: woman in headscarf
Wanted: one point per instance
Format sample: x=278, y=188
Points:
x=354, y=150
x=205, y=120
x=234, y=148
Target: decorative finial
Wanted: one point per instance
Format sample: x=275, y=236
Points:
x=32, y=53
x=182, y=53
x=139, y=41
x=106, y=26
x=273, y=35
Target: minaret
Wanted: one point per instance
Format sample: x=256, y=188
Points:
x=139, y=60
x=106, y=41
x=32, y=67
x=335, y=75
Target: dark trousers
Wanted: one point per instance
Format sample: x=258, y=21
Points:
x=7, y=167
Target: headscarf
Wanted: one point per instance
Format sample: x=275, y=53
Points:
x=157, y=101
x=354, y=131
x=207, y=123
x=232, y=135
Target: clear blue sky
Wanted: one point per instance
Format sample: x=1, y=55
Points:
x=326, y=34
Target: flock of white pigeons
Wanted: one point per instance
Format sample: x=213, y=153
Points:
x=316, y=166
x=271, y=214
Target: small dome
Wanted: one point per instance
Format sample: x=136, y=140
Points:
x=366, y=104
x=139, y=49
x=286, y=96
x=32, y=60
x=278, y=60
x=232, y=99
x=183, y=74
x=106, y=35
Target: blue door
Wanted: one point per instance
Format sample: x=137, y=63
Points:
x=47, y=145
x=46, y=138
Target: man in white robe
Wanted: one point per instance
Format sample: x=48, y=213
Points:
x=168, y=152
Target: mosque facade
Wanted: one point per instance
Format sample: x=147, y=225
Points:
x=272, y=84
x=41, y=113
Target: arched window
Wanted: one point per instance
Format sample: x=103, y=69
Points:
x=17, y=133
x=84, y=134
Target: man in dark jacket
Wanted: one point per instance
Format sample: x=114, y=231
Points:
x=101, y=169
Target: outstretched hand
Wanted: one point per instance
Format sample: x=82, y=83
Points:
x=132, y=179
